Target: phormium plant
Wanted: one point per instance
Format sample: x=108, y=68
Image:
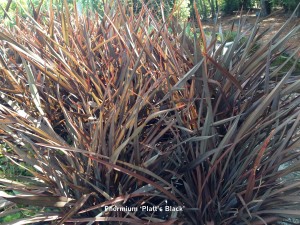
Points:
x=126, y=111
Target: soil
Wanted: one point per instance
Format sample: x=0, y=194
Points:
x=274, y=20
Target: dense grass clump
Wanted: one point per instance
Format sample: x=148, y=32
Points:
x=128, y=111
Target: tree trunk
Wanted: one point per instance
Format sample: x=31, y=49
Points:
x=245, y=4
x=217, y=6
x=266, y=7
x=192, y=10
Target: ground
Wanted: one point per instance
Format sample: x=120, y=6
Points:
x=276, y=20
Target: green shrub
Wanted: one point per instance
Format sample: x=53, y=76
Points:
x=229, y=6
x=124, y=111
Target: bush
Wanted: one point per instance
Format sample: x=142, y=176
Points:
x=128, y=111
x=229, y=6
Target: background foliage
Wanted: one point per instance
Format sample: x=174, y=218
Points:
x=184, y=8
